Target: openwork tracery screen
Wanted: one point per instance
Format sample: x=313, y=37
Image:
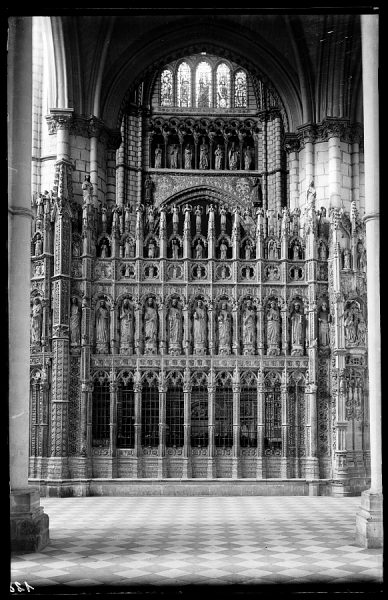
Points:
x=125, y=415
x=101, y=413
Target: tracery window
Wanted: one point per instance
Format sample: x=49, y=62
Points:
x=248, y=412
x=101, y=413
x=150, y=413
x=224, y=412
x=223, y=86
x=272, y=415
x=199, y=412
x=184, y=85
x=240, y=89
x=174, y=412
x=125, y=414
x=203, y=85
x=166, y=88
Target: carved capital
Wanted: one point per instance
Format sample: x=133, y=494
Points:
x=291, y=142
x=307, y=134
x=59, y=118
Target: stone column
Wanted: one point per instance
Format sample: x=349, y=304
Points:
x=29, y=525
x=260, y=470
x=113, y=427
x=211, y=464
x=186, y=469
x=260, y=328
x=211, y=328
x=162, y=346
x=95, y=128
x=312, y=465
x=137, y=451
x=236, y=467
x=369, y=520
x=284, y=464
x=162, y=427
x=292, y=148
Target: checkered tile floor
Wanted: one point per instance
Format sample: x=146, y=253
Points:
x=183, y=541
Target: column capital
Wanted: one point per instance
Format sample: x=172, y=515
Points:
x=59, y=118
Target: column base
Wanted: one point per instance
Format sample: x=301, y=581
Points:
x=311, y=468
x=369, y=521
x=284, y=468
x=58, y=467
x=162, y=467
x=187, y=472
x=29, y=525
x=211, y=468
x=236, y=467
x=260, y=468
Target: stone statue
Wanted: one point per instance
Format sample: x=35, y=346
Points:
x=323, y=326
x=102, y=327
x=249, y=328
x=198, y=218
x=188, y=157
x=311, y=194
x=350, y=325
x=223, y=211
x=198, y=250
x=150, y=327
x=175, y=249
x=218, y=156
x=247, y=158
x=174, y=327
x=127, y=248
x=158, y=157
x=151, y=249
x=151, y=217
x=322, y=251
x=174, y=157
x=199, y=328
x=285, y=221
x=347, y=258
x=36, y=322
x=272, y=250
x=233, y=157
x=126, y=326
x=296, y=331
x=162, y=221
x=104, y=252
x=273, y=329
x=38, y=245
x=175, y=217
x=87, y=190
x=127, y=217
x=248, y=250
x=361, y=256
x=148, y=190
x=223, y=250
x=224, y=330
x=203, y=155
x=75, y=323
x=296, y=250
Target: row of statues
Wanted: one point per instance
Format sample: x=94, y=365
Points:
x=232, y=154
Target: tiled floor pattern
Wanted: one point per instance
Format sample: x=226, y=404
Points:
x=178, y=541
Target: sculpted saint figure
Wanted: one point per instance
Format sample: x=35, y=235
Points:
x=203, y=155
x=174, y=157
x=199, y=326
x=249, y=326
x=36, y=322
x=75, y=323
x=104, y=249
x=188, y=157
x=346, y=258
x=224, y=330
x=126, y=325
x=247, y=158
x=233, y=157
x=102, y=323
x=38, y=245
x=150, y=327
x=174, y=323
x=198, y=250
x=324, y=329
x=87, y=190
x=297, y=327
x=175, y=249
x=158, y=157
x=273, y=327
x=223, y=250
x=218, y=155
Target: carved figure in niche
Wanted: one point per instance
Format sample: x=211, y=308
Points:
x=199, y=326
x=203, y=155
x=233, y=157
x=104, y=250
x=347, y=258
x=223, y=272
x=248, y=250
x=247, y=272
x=296, y=250
x=247, y=158
x=104, y=217
x=272, y=250
x=162, y=221
x=150, y=271
x=324, y=326
x=76, y=248
x=350, y=325
x=224, y=329
x=158, y=157
x=75, y=323
x=127, y=248
x=175, y=218
x=115, y=218
x=150, y=327
x=296, y=331
x=198, y=217
x=174, y=326
x=199, y=272
x=188, y=157
x=128, y=215
x=273, y=329
x=102, y=326
x=174, y=249
x=223, y=211
x=361, y=327
x=148, y=190
x=128, y=271
x=322, y=251
x=361, y=256
x=151, y=249
x=218, y=156
x=150, y=218
x=223, y=250
x=174, y=156
x=38, y=245
x=174, y=272
x=36, y=322
x=87, y=190
x=285, y=221
x=249, y=327
x=126, y=326
x=198, y=250
x=39, y=205
x=311, y=194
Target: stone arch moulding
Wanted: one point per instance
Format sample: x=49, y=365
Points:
x=219, y=38
x=201, y=192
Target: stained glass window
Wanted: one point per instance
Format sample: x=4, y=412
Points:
x=166, y=88
x=184, y=85
x=204, y=85
x=240, y=90
x=223, y=86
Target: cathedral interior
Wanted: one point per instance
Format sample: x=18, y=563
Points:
x=198, y=272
